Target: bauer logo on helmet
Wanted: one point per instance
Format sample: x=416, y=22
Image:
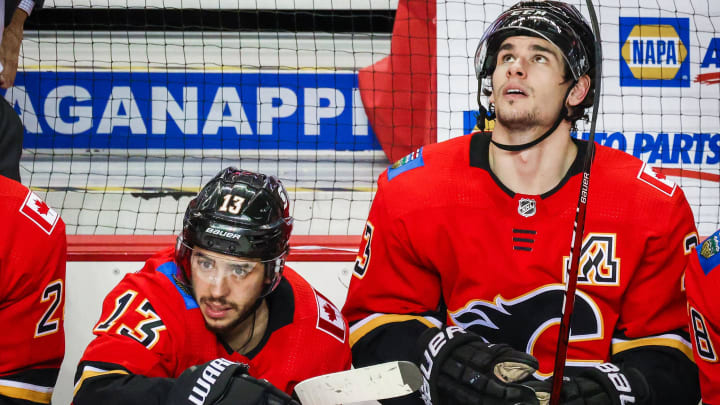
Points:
x=223, y=234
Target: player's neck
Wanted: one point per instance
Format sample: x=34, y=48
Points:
x=248, y=334
x=538, y=169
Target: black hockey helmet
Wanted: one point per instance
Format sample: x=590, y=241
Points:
x=559, y=23
x=239, y=213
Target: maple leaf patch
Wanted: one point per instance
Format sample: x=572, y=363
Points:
x=330, y=320
x=35, y=209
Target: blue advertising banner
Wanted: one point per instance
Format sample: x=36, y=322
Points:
x=653, y=148
x=654, y=51
x=169, y=110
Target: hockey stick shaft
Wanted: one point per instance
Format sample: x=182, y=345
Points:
x=578, y=226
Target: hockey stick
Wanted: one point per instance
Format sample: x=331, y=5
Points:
x=386, y=380
x=578, y=226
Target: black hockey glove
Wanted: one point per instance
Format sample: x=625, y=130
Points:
x=223, y=382
x=459, y=368
x=603, y=384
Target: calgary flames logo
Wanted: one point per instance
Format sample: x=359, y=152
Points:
x=521, y=321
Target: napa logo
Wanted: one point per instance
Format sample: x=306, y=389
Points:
x=654, y=52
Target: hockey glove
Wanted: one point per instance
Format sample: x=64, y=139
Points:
x=603, y=384
x=223, y=382
x=459, y=368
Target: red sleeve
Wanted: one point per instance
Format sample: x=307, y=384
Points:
x=703, y=284
x=131, y=333
x=388, y=277
x=32, y=293
x=653, y=308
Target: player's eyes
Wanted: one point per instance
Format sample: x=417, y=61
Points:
x=206, y=264
x=507, y=58
x=241, y=271
x=540, y=59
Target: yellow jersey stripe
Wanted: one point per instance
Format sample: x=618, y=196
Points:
x=676, y=343
x=27, y=392
x=365, y=326
x=89, y=372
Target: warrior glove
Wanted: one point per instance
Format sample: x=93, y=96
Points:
x=603, y=384
x=223, y=382
x=459, y=368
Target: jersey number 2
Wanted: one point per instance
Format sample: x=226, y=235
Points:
x=48, y=322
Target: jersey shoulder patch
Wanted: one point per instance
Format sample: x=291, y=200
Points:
x=169, y=270
x=709, y=253
x=329, y=319
x=655, y=179
x=410, y=161
x=37, y=210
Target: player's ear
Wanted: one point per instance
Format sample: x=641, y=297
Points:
x=579, y=91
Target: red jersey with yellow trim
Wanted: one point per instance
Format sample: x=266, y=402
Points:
x=443, y=230
x=152, y=327
x=32, y=288
x=703, y=283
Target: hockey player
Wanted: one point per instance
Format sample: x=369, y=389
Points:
x=32, y=295
x=475, y=233
x=210, y=320
x=703, y=282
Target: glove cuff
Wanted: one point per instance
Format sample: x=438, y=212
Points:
x=624, y=385
x=205, y=383
x=434, y=345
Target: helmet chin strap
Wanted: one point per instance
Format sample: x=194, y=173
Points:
x=560, y=118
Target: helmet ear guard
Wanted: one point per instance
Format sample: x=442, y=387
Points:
x=239, y=213
x=484, y=114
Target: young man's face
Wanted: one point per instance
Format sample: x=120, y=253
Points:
x=528, y=83
x=225, y=287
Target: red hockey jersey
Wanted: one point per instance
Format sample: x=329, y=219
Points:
x=703, y=283
x=151, y=326
x=32, y=288
x=443, y=232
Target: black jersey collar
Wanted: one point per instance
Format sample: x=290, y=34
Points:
x=281, y=311
x=480, y=149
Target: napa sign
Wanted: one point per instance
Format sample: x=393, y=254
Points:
x=129, y=110
x=654, y=52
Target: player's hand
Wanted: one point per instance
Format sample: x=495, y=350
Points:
x=223, y=382
x=9, y=54
x=604, y=384
x=459, y=368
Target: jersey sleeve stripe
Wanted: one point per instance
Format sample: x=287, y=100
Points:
x=89, y=372
x=667, y=340
x=25, y=391
x=370, y=323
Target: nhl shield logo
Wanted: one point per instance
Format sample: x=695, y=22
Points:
x=526, y=207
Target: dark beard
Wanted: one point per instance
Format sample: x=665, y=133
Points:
x=223, y=330
x=517, y=122
x=229, y=327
